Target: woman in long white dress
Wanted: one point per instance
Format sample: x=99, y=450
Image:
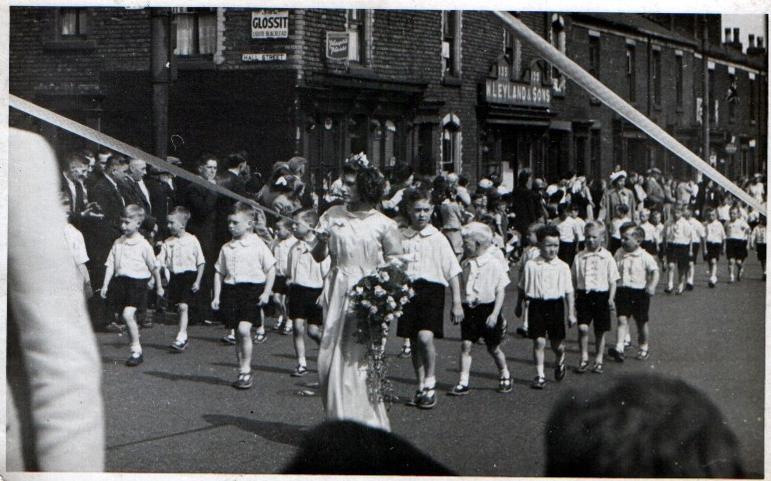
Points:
x=359, y=239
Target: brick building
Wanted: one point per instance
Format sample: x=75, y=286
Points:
x=448, y=91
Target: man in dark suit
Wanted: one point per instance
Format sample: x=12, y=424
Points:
x=233, y=179
x=74, y=176
x=163, y=193
x=100, y=235
x=137, y=192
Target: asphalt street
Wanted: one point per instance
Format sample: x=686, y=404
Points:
x=178, y=412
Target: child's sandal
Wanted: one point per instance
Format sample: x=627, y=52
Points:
x=597, y=369
x=582, y=367
x=538, y=383
x=244, y=381
x=504, y=385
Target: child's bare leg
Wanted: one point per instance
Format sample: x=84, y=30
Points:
x=129, y=317
x=539, y=345
x=731, y=268
x=713, y=270
x=642, y=334
x=599, y=346
x=558, y=347
x=671, y=276
x=314, y=333
x=583, y=341
x=691, y=272
x=427, y=351
x=500, y=360
x=621, y=332
x=182, y=308
x=244, y=347
x=298, y=329
x=465, y=362
x=260, y=324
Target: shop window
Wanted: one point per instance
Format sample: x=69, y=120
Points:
x=382, y=141
x=512, y=48
x=679, y=81
x=631, y=80
x=72, y=23
x=557, y=37
x=451, y=144
x=451, y=42
x=753, y=100
x=656, y=77
x=389, y=139
x=580, y=155
x=196, y=31
x=358, y=25
x=357, y=134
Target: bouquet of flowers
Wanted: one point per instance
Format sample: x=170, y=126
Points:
x=376, y=301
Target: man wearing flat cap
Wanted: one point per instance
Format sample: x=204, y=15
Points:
x=618, y=194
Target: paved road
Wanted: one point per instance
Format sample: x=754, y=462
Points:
x=178, y=413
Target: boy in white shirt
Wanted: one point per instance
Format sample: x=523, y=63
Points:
x=594, y=277
x=639, y=275
x=574, y=213
x=714, y=245
x=698, y=233
x=548, y=286
x=182, y=258
x=280, y=248
x=305, y=280
x=570, y=234
x=678, y=236
x=659, y=226
x=243, y=279
x=432, y=267
x=759, y=242
x=77, y=246
x=531, y=252
x=132, y=262
x=737, y=233
x=650, y=244
x=620, y=217
x=484, y=281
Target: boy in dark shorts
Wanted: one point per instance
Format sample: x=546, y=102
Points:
x=594, y=276
x=758, y=242
x=677, y=236
x=548, y=286
x=280, y=247
x=240, y=294
x=484, y=280
x=305, y=280
x=737, y=233
x=181, y=256
x=132, y=262
x=715, y=244
x=639, y=276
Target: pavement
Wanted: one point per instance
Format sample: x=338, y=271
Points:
x=178, y=413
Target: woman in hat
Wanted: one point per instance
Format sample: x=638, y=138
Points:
x=618, y=194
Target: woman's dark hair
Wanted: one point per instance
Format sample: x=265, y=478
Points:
x=645, y=426
x=369, y=181
x=440, y=190
x=234, y=160
x=523, y=178
x=400, y=173
x=205, y=157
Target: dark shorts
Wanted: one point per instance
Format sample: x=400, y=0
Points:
x=713, y=251
x=279, y=285
x=546, y=318
x=474, y=325
x=650, y=247
x=593, y=307
x=761, y=249
x=736, y=249
x=238, y=302
x=179, y=290
x=678, y=254
x=567, y=252
x=127, y=292
x=633, y=303
x=695, y=251
x=425, y=312
x=301, y=304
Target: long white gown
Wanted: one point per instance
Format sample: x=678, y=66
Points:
x=356, y=249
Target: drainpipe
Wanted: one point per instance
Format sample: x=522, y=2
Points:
x=160, y=71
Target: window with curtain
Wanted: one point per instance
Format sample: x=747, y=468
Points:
x=631, y=77
x=451, y=143
x=512, y=48
x=357, y=25
x=73, y=22
x=451, y=42
x=679, y=80
x=557, y=37
x=196, y=31
x=656, y=76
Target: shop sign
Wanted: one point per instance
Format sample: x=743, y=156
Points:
x=270, y=24
x=503, y=90
x=338, y=46
x=730, y=149
x=263, y=57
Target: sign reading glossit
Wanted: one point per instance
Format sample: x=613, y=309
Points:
x=270, y=24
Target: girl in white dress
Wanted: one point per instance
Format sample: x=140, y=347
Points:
x=358, y=239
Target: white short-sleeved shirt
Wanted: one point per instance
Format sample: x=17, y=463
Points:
x=482, y=277
x=244, y=260
x=132, y=257
x=570, y=230
x=698, y=232
x=759, y=235
x=715, y=232
x=546, y=280
x=429, y=255
x=738, y=229
x=680, y=232
x=281, y=253
x=633, y=268
x=650, y=231
x=724, y=213
x=659, y=233
x=181, y=254
x=76, y=244
x=615, y=226
x=302, y=268
x=595, y=271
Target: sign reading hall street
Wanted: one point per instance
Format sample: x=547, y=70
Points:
x=263, y=57
x=270, y=24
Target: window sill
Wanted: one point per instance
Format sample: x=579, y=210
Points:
x=362, y=70
x=70, y=45
x=204, y=62
x=452, y=81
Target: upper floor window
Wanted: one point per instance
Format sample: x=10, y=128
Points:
x=631, y=70
x=357, y=21
x=679, y=80
x=196, y=31
x=656, y=76
x=512, y=48
x=72, y=22
x=557, y=37
x=451, y=144
x=451, y=32
x=753, y=99
x=714, y=101
x=732, y=97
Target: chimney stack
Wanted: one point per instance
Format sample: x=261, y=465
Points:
x=760, y=42
x=727, y=36
x=751, y=41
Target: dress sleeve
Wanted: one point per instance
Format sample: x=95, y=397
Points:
x=80, y=253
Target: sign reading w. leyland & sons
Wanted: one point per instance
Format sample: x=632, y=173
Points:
x=270, y=24
x=503, y=90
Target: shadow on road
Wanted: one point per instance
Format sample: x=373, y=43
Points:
x=275, y=370
x=216, y=381
x=283, y=433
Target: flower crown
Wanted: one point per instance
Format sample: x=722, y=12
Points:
x=359, y=160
